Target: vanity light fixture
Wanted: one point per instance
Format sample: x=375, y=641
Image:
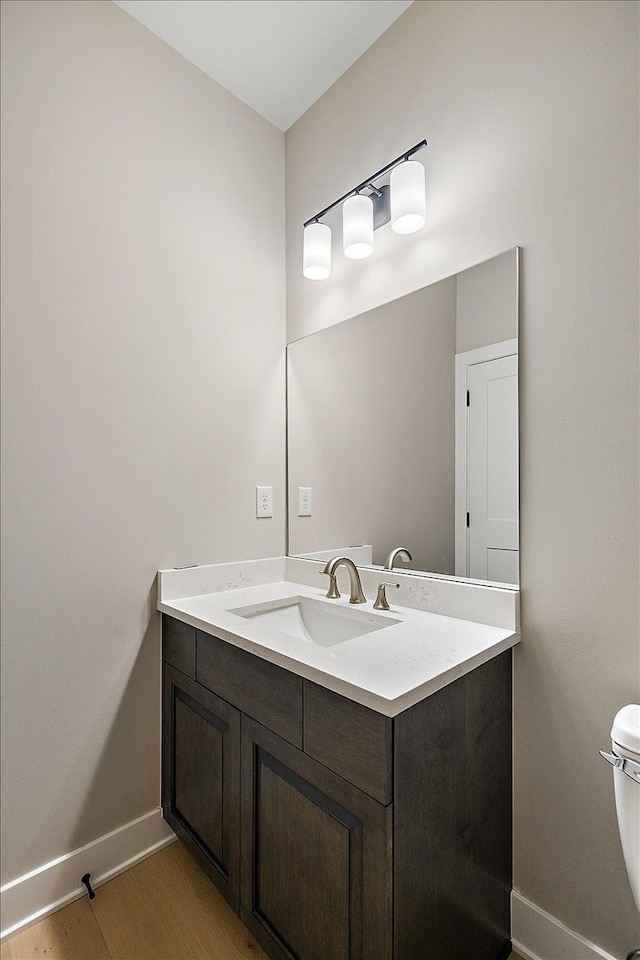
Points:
x=402, y=201
x=357, y=226
x=408, y=204
x=317, y=251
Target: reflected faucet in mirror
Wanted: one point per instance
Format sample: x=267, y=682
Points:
x=398, y=553
x=331, y=568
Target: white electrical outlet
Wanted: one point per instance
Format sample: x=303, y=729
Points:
x=264, y=502
x=304, y=501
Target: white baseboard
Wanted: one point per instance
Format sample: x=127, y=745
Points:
x=536, y=935
x=56, y=884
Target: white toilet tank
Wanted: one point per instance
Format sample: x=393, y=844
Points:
x=625, y=743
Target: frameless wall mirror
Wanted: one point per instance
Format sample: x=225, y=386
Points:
x=403, y=431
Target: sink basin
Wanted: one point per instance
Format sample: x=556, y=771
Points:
x=314, y=620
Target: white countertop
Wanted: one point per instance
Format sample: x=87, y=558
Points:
x=388, y=670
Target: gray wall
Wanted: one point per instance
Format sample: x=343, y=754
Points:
x=487, y=303
x=531, y=112
x=143, y=393
x=371, y=430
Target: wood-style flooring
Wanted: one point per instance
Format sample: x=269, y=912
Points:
x=164, y=908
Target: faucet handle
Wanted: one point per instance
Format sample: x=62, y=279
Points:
x=381, y=602
x=332, y=593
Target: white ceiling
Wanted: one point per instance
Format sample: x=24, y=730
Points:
x=278, y=56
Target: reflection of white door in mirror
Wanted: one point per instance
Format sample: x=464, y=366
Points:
x=487, y=463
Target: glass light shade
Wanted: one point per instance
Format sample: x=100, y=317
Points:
x=316, y=255
x=408, y=205
x=357, y=227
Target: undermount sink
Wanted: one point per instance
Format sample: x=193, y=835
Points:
x=314, y=621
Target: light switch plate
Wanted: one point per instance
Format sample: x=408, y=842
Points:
x=304, y=501
x=264, y=502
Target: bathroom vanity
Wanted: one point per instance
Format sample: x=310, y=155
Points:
x=340, y=823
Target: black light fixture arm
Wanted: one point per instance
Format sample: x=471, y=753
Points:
x=368, y=182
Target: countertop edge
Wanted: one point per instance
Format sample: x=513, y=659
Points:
x=367, y=698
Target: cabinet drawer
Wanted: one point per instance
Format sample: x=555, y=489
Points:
x=267, y=693
x=350, y=739
x=179, y=645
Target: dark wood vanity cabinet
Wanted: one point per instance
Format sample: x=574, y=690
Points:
x=335, y=832
x=316, y=856
x=201, y=777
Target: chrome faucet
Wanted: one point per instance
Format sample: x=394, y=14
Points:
x=398, y=553
x=357, y=596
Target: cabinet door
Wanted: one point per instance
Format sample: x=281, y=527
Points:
x=201, y=777
x=316, y=856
